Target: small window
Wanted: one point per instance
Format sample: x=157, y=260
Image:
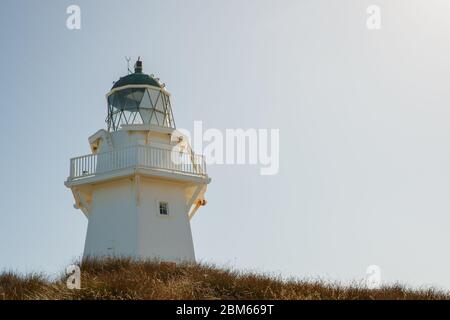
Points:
x=164, y=208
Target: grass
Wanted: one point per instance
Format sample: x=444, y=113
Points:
x=120, y=279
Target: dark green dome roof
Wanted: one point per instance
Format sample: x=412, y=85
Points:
x=136, y=79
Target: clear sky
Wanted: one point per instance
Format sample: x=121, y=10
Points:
x=363, y=116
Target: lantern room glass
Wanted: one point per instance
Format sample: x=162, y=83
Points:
x=139, y=106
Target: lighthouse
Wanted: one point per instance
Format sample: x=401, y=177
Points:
x=142, y=183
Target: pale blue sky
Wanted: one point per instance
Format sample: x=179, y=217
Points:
x=363, y=118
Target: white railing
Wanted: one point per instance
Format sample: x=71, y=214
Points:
x=137, y=156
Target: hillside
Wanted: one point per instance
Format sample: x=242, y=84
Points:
x=125, y=279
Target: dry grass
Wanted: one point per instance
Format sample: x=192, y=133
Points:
x=127, y=279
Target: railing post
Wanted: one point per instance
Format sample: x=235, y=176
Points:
x=71, y=169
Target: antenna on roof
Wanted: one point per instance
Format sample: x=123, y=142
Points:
x=128, y=64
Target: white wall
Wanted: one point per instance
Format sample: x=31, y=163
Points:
x=113, y=220
x=120, y=224
x=167, y=237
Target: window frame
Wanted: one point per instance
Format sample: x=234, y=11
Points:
x=167, y=208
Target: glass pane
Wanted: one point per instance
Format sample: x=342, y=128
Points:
x=160, y=118
x=153, y=118
x=154, y=95
x=146, y=114
x=145, y=102
x=132, y=116
x=132, y=119
x=160, y=103
x=121, y=98
x=137, y=118
x=111, y=99
x=171, y=123
x=167, y=100
x=138, y=94
x=131, y=103
x=118, y=120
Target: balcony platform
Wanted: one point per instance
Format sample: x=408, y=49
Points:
x=142, y=160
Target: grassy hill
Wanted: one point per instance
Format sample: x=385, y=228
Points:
x=126, y=279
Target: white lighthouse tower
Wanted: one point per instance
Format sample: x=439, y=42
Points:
x=142, y=183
